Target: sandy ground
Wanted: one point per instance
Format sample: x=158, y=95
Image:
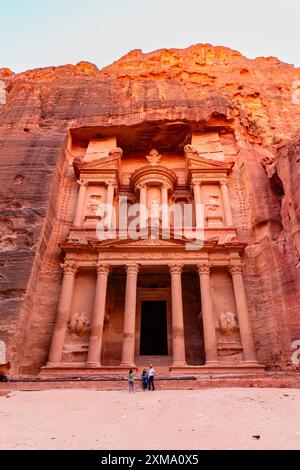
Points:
x=191, y=419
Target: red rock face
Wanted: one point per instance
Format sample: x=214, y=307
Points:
x=139, y=98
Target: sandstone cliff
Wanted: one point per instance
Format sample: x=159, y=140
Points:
x=202, y=86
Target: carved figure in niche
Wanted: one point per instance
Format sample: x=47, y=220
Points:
x=227, y=322
x=154, y=208
x=213, y=203
x=79, y=324
x=95, y=204
x=153, y=157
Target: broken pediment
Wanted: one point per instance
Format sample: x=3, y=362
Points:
x=108, y=163
x=199, y=165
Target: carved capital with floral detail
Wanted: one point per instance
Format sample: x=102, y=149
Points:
x=82, y=182
x=110, y=182
x=132, y=268
x=203, y=268
x=69, y=267
x=235, y=269
x=195, y=181
x=102, y=268
x=175, y=268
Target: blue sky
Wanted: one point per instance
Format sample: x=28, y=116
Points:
x=55, y=32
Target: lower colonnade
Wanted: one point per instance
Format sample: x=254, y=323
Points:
x=132, y=268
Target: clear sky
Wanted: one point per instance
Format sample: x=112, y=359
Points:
x=39, y=33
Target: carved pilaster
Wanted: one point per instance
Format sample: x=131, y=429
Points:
x=226, y=202
x=80, y=202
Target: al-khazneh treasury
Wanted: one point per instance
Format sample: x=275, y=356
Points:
x=204, y=127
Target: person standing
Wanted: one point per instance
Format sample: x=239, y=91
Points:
x=131, y=381
x=144, y=379
x=151, y=378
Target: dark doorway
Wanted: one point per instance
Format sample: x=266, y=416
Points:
x=154, y=337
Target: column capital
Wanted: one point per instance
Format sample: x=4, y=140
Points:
x=132, y=268
x=223, y=181
x=196, y=181
x=69, y=267
x=235, y=269
x=102, y=268
x=110, y=182
x=175, y=268
x=82, y=183
x=141, y=186
x=203, y=268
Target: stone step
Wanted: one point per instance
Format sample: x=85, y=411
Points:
x=169, y=382
x=158, y=370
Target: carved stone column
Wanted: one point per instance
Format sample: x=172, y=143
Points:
x=80, y=202
x=165, y=207
x=177, y=316
x=210, y=338
x=110, y=191
x=243, y=314
x=129, y=315
x=226, y=203
x=95, y=344
x=143, y=205
x=196, y=185
x=64, y=306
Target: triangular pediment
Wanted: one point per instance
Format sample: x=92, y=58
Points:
x=146, y=244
